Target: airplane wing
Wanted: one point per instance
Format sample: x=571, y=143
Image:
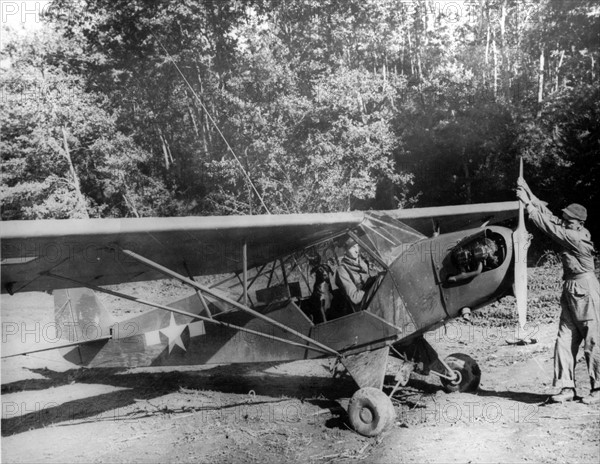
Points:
x=89, y=250
x=452, y=218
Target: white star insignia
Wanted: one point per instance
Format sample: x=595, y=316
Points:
x=173, y=333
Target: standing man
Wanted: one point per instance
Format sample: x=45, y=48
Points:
x=580, y=299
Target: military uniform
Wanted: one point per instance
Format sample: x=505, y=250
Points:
x=352, y=277
x=580, y=298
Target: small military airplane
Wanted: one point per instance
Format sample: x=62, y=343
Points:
x=433, y=265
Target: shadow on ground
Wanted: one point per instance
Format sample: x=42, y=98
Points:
x=522, y=397
x=237, y=379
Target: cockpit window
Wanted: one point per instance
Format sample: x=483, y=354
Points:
x=387, y=237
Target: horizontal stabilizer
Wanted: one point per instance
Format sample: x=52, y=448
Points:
x=56, y=347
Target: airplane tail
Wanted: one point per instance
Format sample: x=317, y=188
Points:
x=80, y=316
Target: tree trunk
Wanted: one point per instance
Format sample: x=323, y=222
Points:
x=410, y=57
x=541, y=81
x=487, y=53
x=557, y=70
x=131, y=206
x=80, y=198
x=204, y=125
x=384, y=68
x=193, y=118
x=467, y=180
x=495, y=55
x=504, y=65
x=166, y=151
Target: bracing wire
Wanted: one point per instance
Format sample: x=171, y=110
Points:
x=214, y=123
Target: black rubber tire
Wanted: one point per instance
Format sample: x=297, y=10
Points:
x=370, y=411
x=470, y=373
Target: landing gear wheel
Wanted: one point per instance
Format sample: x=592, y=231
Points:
x=469, y=374
x=370, y=411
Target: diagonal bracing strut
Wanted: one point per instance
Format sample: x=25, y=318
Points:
x=234, y=303
x=182, y=312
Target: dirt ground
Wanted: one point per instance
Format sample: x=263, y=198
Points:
x=292, y=412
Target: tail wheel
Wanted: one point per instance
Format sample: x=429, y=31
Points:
x=469, y=374
x=370, y=411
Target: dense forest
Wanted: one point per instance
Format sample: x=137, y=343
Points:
x=131, y=108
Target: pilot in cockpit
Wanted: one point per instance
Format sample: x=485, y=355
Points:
x=353, y=277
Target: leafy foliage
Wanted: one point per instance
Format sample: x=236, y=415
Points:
x=234, y=107
x=50, y=123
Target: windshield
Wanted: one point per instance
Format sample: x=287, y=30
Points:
x=386, y=236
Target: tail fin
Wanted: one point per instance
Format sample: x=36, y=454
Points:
x=80, y=316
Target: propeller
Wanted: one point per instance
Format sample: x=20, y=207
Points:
x=520, y=245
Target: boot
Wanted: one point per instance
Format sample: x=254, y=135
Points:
x=566, y=394
x=592, y=398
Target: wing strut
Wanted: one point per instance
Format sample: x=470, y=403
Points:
x=227, y=300
x=245, y=271
x=258, y=274
x=198, y=293
x=327, y=351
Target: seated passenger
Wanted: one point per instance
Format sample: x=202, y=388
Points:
x=353, y=277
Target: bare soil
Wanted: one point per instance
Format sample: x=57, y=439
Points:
x=293, y=412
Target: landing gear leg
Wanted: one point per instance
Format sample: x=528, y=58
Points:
x=467, y=374
x=458, y=372
x=370, y=410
